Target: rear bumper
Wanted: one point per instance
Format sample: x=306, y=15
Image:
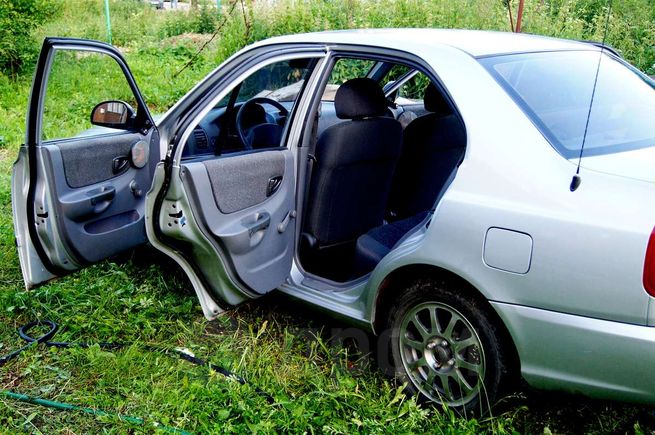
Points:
x=597, y=358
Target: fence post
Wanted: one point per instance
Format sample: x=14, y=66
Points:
x=108, y=20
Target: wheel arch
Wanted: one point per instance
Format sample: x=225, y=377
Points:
x=392, y=285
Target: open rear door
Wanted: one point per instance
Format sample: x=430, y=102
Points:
x=79, y=183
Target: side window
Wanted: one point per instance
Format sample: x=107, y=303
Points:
x=413, y=90
x=255, y=113
x=397, y=71
x=345, y=69
x=281, y=81
x=78, y=81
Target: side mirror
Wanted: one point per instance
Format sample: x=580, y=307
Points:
x=113, y=114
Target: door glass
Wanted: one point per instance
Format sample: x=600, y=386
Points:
x=396, y=72
x=413, y=90
x=239, y=122
x=344, y=70
x=78, y=81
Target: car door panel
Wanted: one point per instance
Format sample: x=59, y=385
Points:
x=78, y=200
x=88, y=201
x=239, y=183
x=77, y=153
x=229, y=196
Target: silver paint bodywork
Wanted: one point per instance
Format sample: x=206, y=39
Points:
x=580, y=316
x=573, y=303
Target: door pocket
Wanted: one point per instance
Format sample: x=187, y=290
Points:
x=112, y=223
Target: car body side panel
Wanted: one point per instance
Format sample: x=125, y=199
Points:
x=588, y=245
x=584, y=286
x=599, y=358
x=31, y=265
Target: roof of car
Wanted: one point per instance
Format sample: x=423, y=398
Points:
x=475, y=42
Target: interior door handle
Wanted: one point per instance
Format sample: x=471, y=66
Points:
x=261, y=222
x=244, y=235
x=274, y=184
x=103, y=194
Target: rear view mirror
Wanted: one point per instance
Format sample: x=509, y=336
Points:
x=113, y=114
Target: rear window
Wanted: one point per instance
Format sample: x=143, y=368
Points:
x=555, y=90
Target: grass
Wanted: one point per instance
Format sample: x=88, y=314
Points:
x=319, y=384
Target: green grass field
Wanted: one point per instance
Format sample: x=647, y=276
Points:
x=318, y=383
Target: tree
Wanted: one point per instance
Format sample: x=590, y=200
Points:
x=18, y=19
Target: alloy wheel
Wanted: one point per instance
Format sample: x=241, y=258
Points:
x=442, y=353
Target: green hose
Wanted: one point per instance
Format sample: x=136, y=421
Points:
x=52, y=328
x=68, y=407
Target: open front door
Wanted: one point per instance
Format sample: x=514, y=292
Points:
x=223, y=204
x=79, y=183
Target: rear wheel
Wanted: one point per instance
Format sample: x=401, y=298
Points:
x=446, y=348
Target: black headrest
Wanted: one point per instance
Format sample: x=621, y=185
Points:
x=435, y=102
x=360, y=98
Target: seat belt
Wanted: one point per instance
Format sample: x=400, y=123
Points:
x=311, y=161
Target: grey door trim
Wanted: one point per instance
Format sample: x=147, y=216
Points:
x=35, y=109
x=197, y=106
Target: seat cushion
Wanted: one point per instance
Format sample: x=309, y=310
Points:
x=378, y=242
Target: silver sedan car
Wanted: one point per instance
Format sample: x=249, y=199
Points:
x=483, y=202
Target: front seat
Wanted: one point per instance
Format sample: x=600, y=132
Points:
x=354, y=166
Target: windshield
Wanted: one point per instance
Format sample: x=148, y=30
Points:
x=555, y=90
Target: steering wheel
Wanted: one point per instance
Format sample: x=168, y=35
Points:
x=263, y=135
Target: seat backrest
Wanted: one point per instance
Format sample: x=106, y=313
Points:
x=433, y=146
x=355, y=161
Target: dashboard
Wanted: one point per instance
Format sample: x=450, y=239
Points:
x=208, y=139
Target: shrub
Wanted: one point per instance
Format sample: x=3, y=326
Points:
x=206, y=20
x=631, y=31
x=18, y=19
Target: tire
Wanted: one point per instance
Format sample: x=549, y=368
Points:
x=445, y=347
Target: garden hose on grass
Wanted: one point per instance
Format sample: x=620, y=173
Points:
x=24, y=333
x=98, y=412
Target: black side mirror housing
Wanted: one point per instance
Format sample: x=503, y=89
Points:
x=113, y=114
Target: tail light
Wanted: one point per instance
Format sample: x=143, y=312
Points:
x=649, y=266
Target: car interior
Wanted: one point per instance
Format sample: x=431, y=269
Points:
x=385, y=142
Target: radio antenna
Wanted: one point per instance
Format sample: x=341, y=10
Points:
x=575, y=182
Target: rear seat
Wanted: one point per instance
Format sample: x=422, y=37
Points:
x=374, y=245
x=433, y=146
